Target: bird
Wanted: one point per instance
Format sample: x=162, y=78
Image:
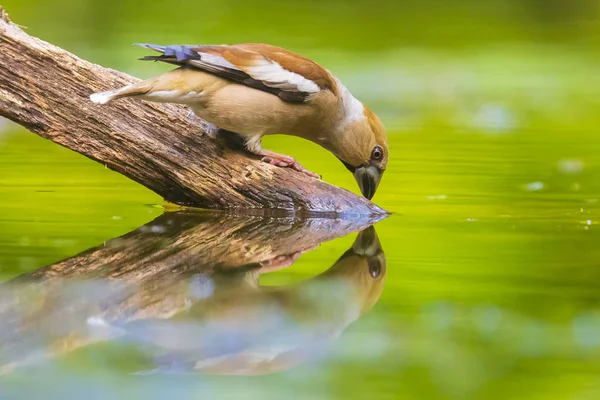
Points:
x=257, y=89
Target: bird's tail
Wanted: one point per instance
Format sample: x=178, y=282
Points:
x=173, y=54
x=102, y=329
x=137, y=89
x=155, y=47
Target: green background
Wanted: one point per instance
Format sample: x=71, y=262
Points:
x=494, y=181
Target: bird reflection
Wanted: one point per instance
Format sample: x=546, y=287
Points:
x=236, y=326
x=189, y=296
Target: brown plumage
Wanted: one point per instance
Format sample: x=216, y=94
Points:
x=297, y=64
x=257, y=90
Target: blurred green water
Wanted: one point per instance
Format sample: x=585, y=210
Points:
x=492, y=278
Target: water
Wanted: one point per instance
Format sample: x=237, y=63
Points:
x=484, y=282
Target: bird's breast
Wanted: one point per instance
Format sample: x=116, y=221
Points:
x=252, y=112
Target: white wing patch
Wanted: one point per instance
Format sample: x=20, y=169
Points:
x=271, y=73
x=217, y=61
x=274, y=75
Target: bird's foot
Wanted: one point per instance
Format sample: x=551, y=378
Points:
x=191, y=115
x=283, y=261
x=281, y=160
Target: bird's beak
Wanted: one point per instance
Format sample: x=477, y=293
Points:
x=368, y=178
x=367, y=243
x=367, y=246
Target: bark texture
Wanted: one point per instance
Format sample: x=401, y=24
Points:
x=46, y=89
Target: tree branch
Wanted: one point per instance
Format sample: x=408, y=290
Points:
x=46, y=89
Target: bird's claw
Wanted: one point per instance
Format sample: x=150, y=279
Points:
x=191, y=115
x=283, y=261
x=281, y=160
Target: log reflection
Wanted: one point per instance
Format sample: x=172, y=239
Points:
x=185, y=286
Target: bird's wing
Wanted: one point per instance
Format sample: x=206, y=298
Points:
x=272, y=69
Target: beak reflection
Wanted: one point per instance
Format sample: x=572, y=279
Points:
x=367, y=243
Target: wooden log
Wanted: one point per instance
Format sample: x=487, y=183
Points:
x=176, y=242
x=46, y=89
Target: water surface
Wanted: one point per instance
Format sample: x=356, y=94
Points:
x=490, y=284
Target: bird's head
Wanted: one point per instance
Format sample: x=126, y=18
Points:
x=363, y=268
x=362, y=147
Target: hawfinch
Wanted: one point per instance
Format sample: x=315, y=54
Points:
x=257, y=90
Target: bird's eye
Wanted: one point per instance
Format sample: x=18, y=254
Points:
x=377, y=153
x=374, y=268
